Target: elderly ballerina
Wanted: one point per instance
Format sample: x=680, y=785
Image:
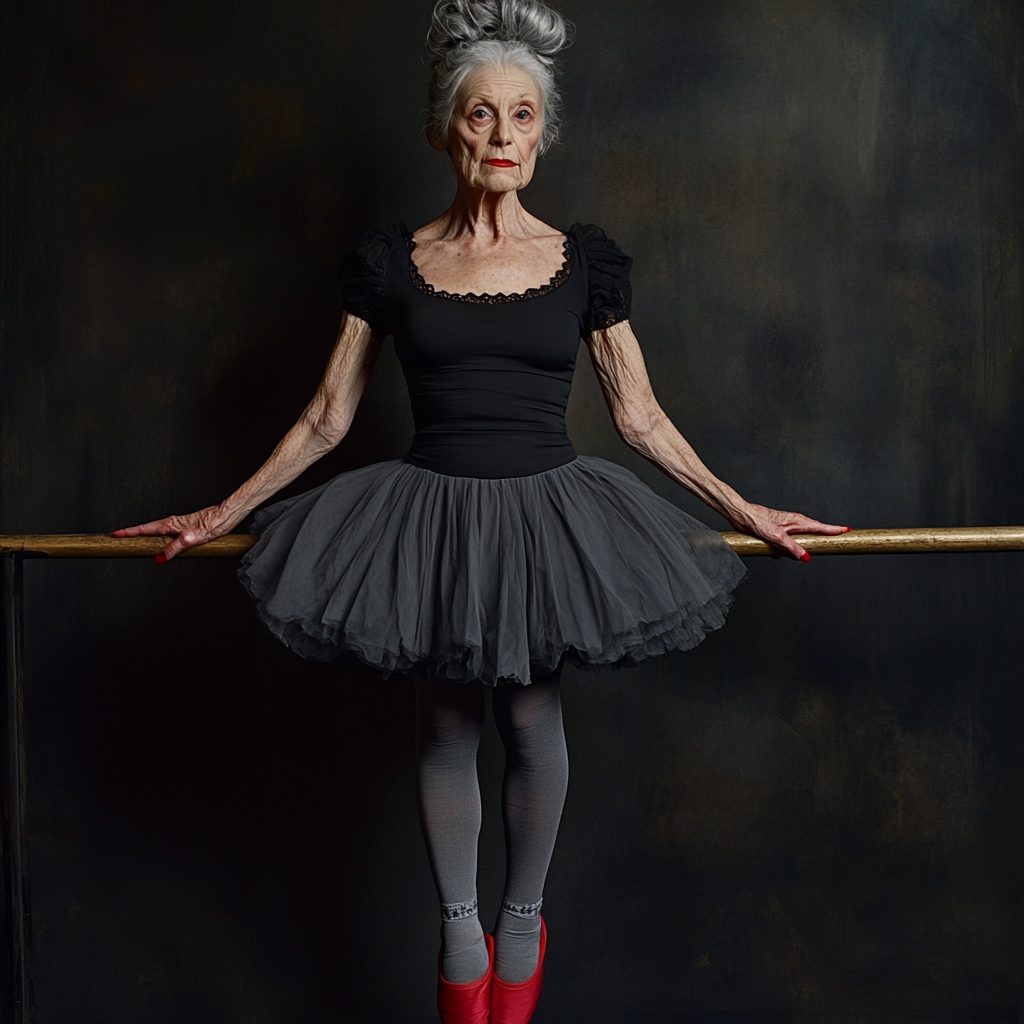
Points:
x=492, y=553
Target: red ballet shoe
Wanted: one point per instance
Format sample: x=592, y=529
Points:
x=514, y=1004
x=469, y=1003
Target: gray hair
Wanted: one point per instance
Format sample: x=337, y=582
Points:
x=466, y=35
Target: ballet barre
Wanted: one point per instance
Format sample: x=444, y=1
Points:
x=918, y=540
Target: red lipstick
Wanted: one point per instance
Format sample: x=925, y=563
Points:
x=499, y=163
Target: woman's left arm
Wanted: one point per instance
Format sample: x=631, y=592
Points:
x=643, y=425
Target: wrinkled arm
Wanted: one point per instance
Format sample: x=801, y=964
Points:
x=643, y=425
x=322, y=425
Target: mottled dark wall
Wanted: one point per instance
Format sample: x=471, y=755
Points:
x=814, y=817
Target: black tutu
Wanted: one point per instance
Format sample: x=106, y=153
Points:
x=465, y=579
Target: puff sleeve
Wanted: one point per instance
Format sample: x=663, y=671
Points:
x=609, y=292
x=362, y=277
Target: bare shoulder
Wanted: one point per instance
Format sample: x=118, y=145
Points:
x=432, y=232
x=539, y=229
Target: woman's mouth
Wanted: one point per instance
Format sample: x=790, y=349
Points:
x=499, y=163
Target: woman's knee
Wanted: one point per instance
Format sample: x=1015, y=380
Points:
x=526, y=715
x=448, y=713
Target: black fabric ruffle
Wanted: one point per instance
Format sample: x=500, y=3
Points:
x=610, y=293
x=362, y=276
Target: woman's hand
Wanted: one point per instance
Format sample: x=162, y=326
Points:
x=775, y=527
x=186, y=531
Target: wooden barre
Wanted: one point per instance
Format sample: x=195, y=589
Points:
x=919, y=540
x=856, y=542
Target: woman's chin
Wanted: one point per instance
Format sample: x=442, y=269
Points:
x=496, y=179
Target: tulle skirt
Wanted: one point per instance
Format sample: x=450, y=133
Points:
x=468, y=579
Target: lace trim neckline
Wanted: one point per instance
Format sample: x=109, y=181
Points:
x=492, y=300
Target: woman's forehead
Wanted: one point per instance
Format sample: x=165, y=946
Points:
x=500, y=82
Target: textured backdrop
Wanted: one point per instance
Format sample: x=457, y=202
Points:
x=814, y=817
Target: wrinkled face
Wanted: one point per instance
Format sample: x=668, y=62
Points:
x=495, y=129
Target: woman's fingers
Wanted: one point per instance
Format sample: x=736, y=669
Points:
x=184, y=531
x=188, y=535
x=804, y=524
x=180, y=543
x=182, y=537
x=160, y=528
x=784, y=541
x=779, y=525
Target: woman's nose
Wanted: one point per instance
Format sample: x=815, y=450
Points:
x=502, y=134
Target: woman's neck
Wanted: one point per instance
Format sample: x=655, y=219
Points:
x=485, y=216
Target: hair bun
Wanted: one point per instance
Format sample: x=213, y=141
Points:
x=463, y=22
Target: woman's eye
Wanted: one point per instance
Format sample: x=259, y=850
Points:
x=480, y=115
x=523, y=115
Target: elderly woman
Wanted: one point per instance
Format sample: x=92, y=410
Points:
x=492, y=553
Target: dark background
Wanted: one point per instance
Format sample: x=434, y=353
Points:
x=814, y=817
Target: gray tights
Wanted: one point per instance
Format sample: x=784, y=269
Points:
x=449, y=722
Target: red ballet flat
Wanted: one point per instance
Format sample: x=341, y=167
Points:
x=469, y=1003
x=514, y=1004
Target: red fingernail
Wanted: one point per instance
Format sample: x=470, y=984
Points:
x=846, y=529
x=805, y=557
x=160, y=559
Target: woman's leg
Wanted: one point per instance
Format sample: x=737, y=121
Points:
x=449, y=721
x=529, y=719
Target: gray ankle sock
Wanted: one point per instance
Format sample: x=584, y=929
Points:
x=517, y=941
x=462, y=940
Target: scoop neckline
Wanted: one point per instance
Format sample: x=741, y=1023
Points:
x=418, y=282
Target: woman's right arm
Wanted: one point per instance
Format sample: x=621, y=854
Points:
x=321, y=426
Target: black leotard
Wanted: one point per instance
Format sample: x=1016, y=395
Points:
x=488, y=375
